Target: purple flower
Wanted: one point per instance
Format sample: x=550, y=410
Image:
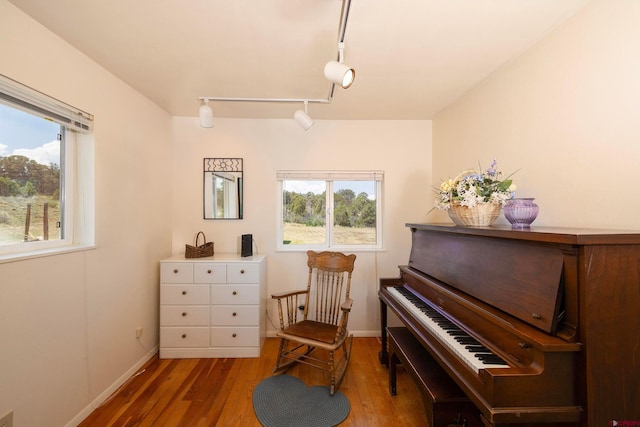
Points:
x=492, y=171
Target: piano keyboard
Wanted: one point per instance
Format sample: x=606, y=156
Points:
x=472, y=352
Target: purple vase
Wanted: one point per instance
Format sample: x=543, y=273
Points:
x=520, y=212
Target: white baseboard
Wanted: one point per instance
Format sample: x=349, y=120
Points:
x=102, y=397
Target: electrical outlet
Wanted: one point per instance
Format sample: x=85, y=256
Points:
x=7, y=420
x=138, y=335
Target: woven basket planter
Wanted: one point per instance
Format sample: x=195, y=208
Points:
x=481, y=215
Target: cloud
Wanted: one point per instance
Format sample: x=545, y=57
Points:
x=45, y=154
x=3, y=149
x=304, y=187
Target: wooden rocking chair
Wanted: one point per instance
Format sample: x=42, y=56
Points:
x=324, y=320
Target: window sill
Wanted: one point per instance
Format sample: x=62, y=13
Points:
x=21, y=256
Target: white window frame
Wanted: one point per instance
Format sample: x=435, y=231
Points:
x=77, y=190
x=329, y=177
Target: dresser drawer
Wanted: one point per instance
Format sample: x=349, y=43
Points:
x=209, y=273
x=235, y=294
x=187, y=315
x=184, y=337
x=228, y=315
x=238, y=272
x=184, y=294
x=176, y=272
x=237, y=336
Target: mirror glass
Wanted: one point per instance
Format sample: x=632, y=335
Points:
x=223, y=183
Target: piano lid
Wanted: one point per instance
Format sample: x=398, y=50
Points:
x=521, y=279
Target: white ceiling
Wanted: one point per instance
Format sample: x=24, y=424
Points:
x=412, y=57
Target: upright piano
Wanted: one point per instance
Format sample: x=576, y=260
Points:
x=537, y=327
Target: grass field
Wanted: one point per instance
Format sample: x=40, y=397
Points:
x=302, y=234
x=13, y=213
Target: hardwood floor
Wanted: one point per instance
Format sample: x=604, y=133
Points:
x=218, y=392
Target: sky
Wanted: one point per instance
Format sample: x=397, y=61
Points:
x=28, y=135
x=317, y=187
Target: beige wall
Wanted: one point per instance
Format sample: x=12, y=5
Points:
x=67, y=322
x=567, y=114
x=402, y=149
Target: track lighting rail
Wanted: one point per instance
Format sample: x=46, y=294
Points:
x=293, y=100
x=335, y=71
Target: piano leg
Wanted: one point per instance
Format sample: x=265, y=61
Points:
x=393, y=362
x=383, y=356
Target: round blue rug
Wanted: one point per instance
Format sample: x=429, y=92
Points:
x=283, y=401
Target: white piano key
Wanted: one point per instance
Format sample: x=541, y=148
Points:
x=470, y=358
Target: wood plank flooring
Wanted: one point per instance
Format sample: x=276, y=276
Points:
x=218, y=392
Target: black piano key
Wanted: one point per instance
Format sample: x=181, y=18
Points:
x=490, y=359
x=466, y=340
x=477, y=349
x=444, y=324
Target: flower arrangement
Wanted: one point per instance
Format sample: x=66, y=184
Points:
x=471, y=188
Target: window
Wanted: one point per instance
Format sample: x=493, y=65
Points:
x=330, y=210
x=40, y=158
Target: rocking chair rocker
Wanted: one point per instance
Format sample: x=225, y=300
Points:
x=325, y=313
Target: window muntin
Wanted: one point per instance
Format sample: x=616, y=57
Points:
x=38, y=163
x=352, y=220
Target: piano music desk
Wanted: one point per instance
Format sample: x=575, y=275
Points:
x=443, y=399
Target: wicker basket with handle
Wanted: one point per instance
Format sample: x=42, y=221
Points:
x=480, y=215
x=199, y=251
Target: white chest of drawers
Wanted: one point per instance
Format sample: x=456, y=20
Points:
x=212, y=307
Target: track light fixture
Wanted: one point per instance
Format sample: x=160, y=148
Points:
x=206, y=115
x=335, y=71
x=339, y=73
x=302, y=117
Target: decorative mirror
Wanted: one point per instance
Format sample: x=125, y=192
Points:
x=223, y=188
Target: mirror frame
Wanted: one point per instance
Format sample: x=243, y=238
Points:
x=233, y=165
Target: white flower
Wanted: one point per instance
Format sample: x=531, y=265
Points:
x=472, y=188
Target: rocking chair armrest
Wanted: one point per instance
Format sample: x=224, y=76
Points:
x=344, y=318
x=287, y=294
x=346, y=305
